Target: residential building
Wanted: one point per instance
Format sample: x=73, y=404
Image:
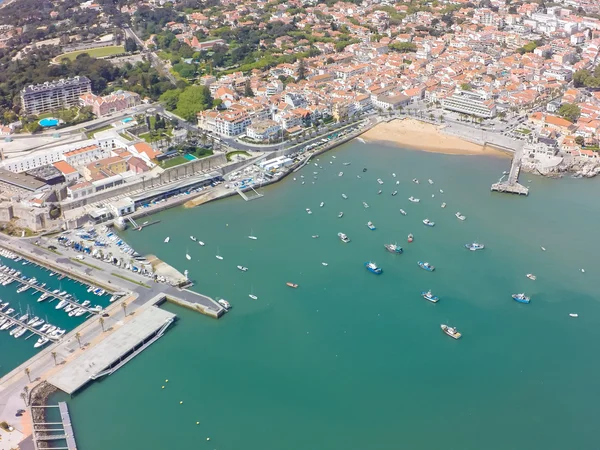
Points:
x=111, y=103
x=85, y=155
x=262, y=130
x=226, y=123
x=54, y=95
x=80, y=190
x=469, y=102
x=390, y=102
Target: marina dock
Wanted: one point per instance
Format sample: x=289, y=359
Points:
x=24, y=324
x=55, y=431
x=512, y=185
x=114, y=351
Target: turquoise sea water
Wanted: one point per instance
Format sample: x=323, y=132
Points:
x=352, y=360
x=16, y=351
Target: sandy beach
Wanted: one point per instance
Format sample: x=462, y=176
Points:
x=418, y=135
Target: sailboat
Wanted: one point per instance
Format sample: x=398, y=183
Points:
x=167, y=239
x=252, y=236
x=219, y=256
x=251, y=295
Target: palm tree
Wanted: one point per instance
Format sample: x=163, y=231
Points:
x=54, y=357
x=28, y=373
x=124, y=306
x=101, y=320
x=24, y=397
x=78, y=337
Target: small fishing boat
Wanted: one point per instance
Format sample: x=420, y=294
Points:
x=426, y=266
x=531, y=276
x=252, y=237
x=201, y=243
x=344, y=196
x=242, y=268
x=341, y=214
x=397, y=181
x=574, y=315
x=430, y=181
x=410, y=238
x=340, y=174
x=415, y=181
x=428, y=223
x=167, y=239
x=394, y=175
x=394, y=193
x=441, y=191
x=371, y=226
x=188, y=257
x=459, y=216
x=413, y=199
x=393, y=248
x=224, y=303
x=582, y=270
x=315, y=236
x=219, y=257
x=308, y=211
x=379, y=192
x=402, y=212
x=321, y=204
x=379, y=180
x=345, y=239
x=474, y=246
x=253, y=297
x=365, y=204
x=521, y=298
x=429, y=296
x=543, y=249
x=432, y=195
x=324, y=264
x=346, y=163
x=372, y=267
x=193, y=238
x=444, y=205
x=451, y=331
x=292, y=285
x=365, y=169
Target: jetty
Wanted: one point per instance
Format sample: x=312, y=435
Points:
x=54, y=431
x=19, y=323
x=512, y=185
x=114, y=351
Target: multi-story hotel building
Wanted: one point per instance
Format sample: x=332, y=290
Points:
x=54, y=95
x=471, y=103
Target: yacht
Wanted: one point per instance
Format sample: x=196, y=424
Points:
x=531, y=276
x=201, y=243
x=20, y=333
x=324, y=264
x=224, y=303
x=413, y=199
x=415, y=181
x=365, y=204
x=41, y=342
x=428, y=222
x=167, y=239
x=219, y=257
x=340, y=215
x=394, y=193
x=429, y=296
x=70, y=307
x=344, y=196
x=521, y=298
x=410, y=238
x=345, y=239
x=370, y=225
x=426, y=266
x=574, y=315
x=444, y=205
x=292, y=285
x=430, y=181
x=43, y=297
x=459, y=216
x=451, y=331
x=193, y=238
x=393, y=248
x=372, y=267
x=379, y=181
x=253, y=297
x=242, y=268
x=474, y=246
x=15, y=330
x=402, y=212
x=308, y=211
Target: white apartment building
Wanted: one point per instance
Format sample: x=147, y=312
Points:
x=85, y=155
x=472, y=103
x=226, y=123
x=262, y=130
x=54, y=95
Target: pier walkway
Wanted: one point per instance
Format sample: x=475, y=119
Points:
x=55, y=431
x=114, y=351
x=512, y=185
x=19, y=323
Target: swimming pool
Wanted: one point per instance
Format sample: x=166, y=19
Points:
x=190, y=157
x=127, y=119
x=49, y=122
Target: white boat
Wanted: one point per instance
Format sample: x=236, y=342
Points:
x=188, y=257
x=574, y=315
x=70, y=307
x=365, y=204
x=428, y=222
x=219, y=257
x=432, y=195
x=77, y=312
x=415, y=181
x=253, y=297
x=394, y=175
x=340, y=174
x=224, y=303
x=193, y=238
x=582, y=270
x=41, y=342
x=413, y=199
x=344, y=196
x=341, y=214
x=167, y=239
x=20, y=333
x=321, y=204
x=441, y=191
x=315, y=236
x=61, y=304
x=531, y=276
x=402, y=212
x=324, y=263
x=242, y=268
x=430, y=181
x=379, y=180
x=308, y=211
x=254, y=238
x=201, y=243
x=543, y=249
x=345, y=239
x=394, y=193
x=459, y=216
x=444, y=205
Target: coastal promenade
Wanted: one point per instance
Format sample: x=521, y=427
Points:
x=142, y=293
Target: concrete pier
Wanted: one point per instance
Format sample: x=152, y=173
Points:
x=512, y=185
x=54, y=431
x=114, y=351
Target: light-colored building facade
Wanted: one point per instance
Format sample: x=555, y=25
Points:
x=85, y=155
x=54, y=95
x=262, y=130
x=112, y=103
x=472, y=103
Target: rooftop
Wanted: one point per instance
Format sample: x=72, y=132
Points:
x=21, y=180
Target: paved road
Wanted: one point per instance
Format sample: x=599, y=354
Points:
x=156, y=62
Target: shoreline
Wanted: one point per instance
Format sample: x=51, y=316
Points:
x=412, y=134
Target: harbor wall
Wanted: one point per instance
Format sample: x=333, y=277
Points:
x=163, y=298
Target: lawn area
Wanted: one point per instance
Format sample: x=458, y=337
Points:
x=524, y=131
x=172, y=162
x=230, y=155
x=93, y=52
x=91, y=134
x=125, y=136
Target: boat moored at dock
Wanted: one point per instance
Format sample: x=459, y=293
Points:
x=224, y=303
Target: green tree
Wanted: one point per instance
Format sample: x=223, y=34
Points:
x=569, y=111
x=579, y=140
x=580, y=77
x=170, y=99
x=193, y=100
x=130, y=45
x=403, y=47
x=466, y=87
x=248, y=92
x=301, y=70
